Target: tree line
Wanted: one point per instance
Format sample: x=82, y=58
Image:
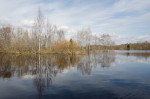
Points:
x=133, y=46
x=43, y=37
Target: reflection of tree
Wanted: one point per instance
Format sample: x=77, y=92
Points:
x=29, y=65
x=106, y=58
x=48, y=67
x=52, y=64
x=138, y=55
x=5, y=67
x=45, y=68
x=103, y=58
x=84, y=66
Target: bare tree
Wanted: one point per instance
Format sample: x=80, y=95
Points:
x=84, y=37
x=60, y=35
x=34, y=39
x=106, y=41
x=5, y=36
x=49, y=33
x=39, y=23
x=88, y=35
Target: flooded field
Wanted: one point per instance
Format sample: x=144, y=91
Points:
x=100, y=75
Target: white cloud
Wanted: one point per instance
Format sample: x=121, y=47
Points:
x=27, y=23
x=64, y=27
x=131, y=5
x=126, y=18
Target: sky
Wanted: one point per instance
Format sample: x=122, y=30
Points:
x=127, y=21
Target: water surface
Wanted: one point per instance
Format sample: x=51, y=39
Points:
x=101, y=75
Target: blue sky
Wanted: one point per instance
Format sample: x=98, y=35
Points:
x=125, y=20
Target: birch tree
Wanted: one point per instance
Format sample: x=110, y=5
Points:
x=39, y=24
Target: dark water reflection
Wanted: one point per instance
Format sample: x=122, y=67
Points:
x=100, y=75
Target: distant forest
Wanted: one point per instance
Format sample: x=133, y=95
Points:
x=129, y=46
x=133, y=46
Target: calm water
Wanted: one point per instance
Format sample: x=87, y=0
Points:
x=104, y=75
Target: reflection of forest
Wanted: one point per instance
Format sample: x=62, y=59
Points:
x=138, y=55
x=101, y=58
x=11, y=65
x=44, y=68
